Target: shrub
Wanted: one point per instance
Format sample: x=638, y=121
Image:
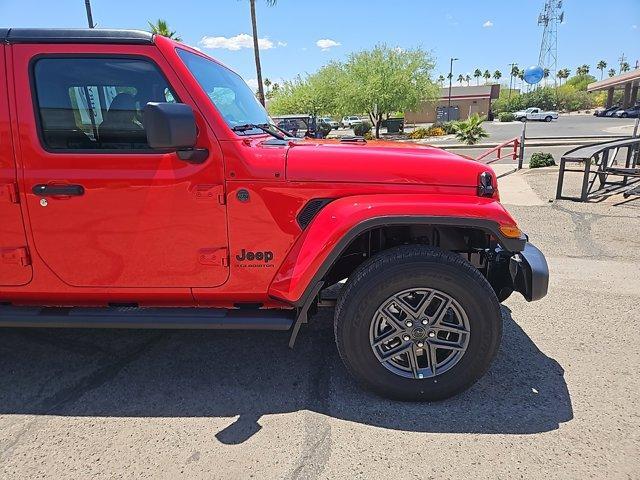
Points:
x=470, y=131
x=369, y=136
x=435, y=131
x=541, y=159
x=361, y=129
x=448, y=127
x=432, y=131
x=419, y=133
x=506, y=117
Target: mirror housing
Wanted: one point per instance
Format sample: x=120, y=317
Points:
x=169, y=125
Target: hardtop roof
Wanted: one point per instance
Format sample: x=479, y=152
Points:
x=74, y=35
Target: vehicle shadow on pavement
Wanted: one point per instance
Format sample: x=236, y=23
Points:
x=122, y=373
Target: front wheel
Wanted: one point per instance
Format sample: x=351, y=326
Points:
x=547, y=119
x=417, y=323
x=624, y=115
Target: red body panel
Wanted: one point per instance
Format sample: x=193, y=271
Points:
x=140, y=231
x=336, y=219
x=14, y=267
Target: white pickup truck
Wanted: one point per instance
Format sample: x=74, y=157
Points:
x=533, y=113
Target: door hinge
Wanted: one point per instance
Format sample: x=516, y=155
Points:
x=16, y=256
x=214, y=256
x=9, y=192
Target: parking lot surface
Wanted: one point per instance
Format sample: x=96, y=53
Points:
x=560, y=401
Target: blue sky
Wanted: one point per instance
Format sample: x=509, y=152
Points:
x=300, y=36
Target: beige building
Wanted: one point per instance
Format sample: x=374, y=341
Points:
x=465, y=101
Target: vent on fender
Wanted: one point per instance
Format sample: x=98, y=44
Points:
x=310, y=210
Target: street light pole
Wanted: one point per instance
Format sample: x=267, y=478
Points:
x=87, y=5
x=450, y=78
x=511, y=65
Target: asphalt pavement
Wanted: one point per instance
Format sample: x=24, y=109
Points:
x=560, y=401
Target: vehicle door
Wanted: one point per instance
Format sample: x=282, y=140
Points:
x=15, y=266
x=105, y=209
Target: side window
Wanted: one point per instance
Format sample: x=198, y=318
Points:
x=96, y=103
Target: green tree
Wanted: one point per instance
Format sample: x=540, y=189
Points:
x=477, y=73
x=497, y=75
x=580, y=82
x=384, y=80
x=545, y=73
x=486, y=75
x=162, y=28
x=601, y=66
x=460, y=79
x=582, y=69
x=612, y=72
x=441, y=79
x=256, y=50
x=624, y=67
x=467, y=78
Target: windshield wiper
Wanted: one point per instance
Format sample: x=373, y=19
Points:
x=265, y=127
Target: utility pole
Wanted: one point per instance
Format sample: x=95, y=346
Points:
x=622, y=59
x=450, y=78
x=87, y=5
x=550, y=17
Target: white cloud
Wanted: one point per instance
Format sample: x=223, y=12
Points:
x=487, y=24
x=253, y=83
x=237, y=42
x=635, y=27
x=282, y=44
x=327, y=43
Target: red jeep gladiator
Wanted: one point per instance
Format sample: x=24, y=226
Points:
x=142, y=185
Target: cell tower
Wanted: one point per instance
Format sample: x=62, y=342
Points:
x=549, y=18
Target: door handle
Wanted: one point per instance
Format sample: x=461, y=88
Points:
x=59, y=190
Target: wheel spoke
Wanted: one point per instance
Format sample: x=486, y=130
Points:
x=446, y=344
x=413, y=361
x=399, y=350
x=431, y=352
x=414, y=312
x=449, y=328
x=385, y=337
x=442, y=311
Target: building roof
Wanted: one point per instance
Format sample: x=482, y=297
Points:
x=73, y=35
x=616, y=81
x=474, y=91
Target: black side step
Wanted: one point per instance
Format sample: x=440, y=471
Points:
x=139, y=317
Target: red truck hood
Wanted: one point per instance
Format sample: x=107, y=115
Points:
x=379, y=162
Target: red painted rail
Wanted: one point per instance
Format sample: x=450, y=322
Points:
x=513, y=146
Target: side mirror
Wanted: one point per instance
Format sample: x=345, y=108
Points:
x=172, y=126
x=169, y=125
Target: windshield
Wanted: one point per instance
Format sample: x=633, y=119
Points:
x=231, y=96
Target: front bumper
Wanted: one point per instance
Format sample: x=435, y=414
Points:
x=529, y=273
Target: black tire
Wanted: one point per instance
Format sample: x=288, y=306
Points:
x=402, y=268
x=624, y=115
x=547, y=118
x=523, y=119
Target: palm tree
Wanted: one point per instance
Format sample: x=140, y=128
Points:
x=497, y=75
x=545, y=73
x=486, y=75
x=162, y=28
x=477, y=73
x=460, y=79
x=256, y=50
x=563, y=74
x=624, y=67
x=612, y=72
x=582, y=69
x=467, y=78
x=441, y=79
x=601, y=66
